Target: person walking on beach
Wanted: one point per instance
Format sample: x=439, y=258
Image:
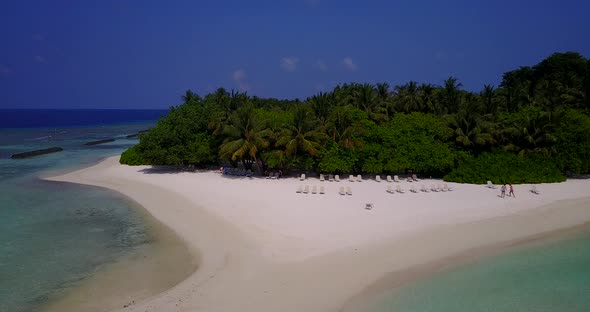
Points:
x=503, y=190
x=511, y=193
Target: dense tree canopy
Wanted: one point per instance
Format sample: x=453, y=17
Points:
x=538, y=116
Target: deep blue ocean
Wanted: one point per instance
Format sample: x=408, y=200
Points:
x=35, y=118
x=53, y=235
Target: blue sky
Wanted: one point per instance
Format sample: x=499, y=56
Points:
x=144, y=54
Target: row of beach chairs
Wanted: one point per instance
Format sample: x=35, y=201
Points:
x=434, y=188
x=314, y=190
x=359, y=178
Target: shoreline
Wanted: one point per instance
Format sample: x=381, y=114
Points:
x=275, y=250
x=393, y=281
x=157, y=266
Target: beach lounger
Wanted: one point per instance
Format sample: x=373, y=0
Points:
x=348, y=190
x=440, y=188
x=424, y=189
x=299, y=189
x=302, y=177
x=306, y=189
x=433, y=188
x=534, y=190
x=389, y=179
x=368, y=206
x=491, y=185
x=395, y=178
x=331, y=178
x=390, y=189
x=378, y=178
x=359, y=178
x=274, y=176
x=342, y=192
x=447, y=187
x=415, y=178
x=400, y=189
x=322, y=190
x=314, y=189
x=350, y=178
x=322, y=177
x=337, y=178
x=413, y=189
x=270, y=175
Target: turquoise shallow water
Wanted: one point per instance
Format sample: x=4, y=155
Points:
x=53, y=235
x=550, y=277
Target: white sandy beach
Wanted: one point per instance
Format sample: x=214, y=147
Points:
x=263, y=247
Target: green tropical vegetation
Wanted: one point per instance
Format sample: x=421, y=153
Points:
x=533, y=127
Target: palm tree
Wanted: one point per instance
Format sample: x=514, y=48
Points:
x=531, y=133
x=384, y=98
x=488, y=96
x=301, y=136
x=407, y=97
x=427, y=98
x=365, y=98
x=221, y=98
x=246, y=137
x=452, y=94
x=344, y=128
x=189, y=96
x=470, y=128
x=322, y=105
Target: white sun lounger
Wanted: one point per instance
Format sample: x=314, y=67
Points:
x=302, y=177
x=322, y=190
x=337, y=178
x=389, y=179
x=400, y=189
x=395, y=178
x=359, y=178
x=306, y=189
x=368, y=206
x=314, y=189
x=490, y=185
x=342, y=192
x=390, y=189
x=331, y=178
x=350, y=178
x=447, y=187
x=424, y=189
x=322, y=177
x=270, y=175
x=415, y=178
x=441, y=188
x=378, y=178
x=299, y=189
x=348, y=190
x=433, y=188
x=534, y=190
x=413, y=189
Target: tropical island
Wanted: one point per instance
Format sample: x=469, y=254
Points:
x=259, y=244
x=533, y=128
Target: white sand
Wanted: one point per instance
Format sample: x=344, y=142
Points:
x=263, y=247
